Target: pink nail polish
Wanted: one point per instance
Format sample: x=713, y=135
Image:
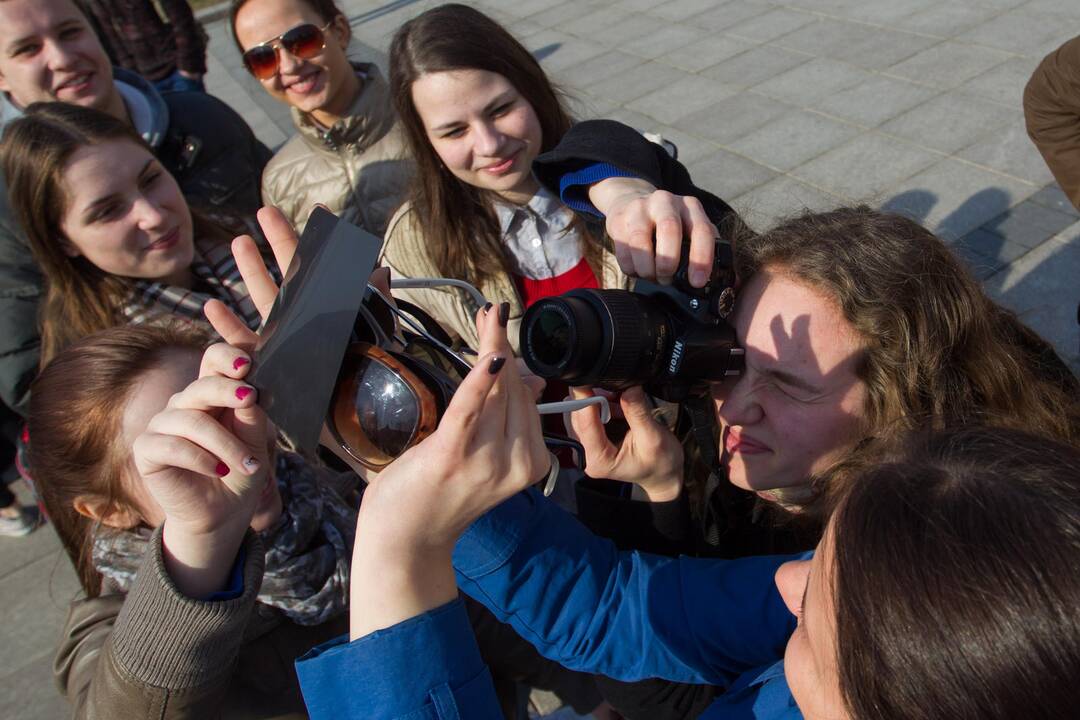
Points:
x=240, y=362
x=222, y=469
x=243, y=392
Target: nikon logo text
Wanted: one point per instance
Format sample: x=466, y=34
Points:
x=676, y=357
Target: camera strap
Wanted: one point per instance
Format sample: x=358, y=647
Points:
x=705, y=431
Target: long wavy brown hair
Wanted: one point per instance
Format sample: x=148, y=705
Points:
x=76, y=407
x=80, y=298
x=937, y=352
x=458, y=220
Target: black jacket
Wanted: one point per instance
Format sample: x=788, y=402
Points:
x=206, y=146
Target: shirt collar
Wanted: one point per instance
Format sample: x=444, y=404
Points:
x=542, y=204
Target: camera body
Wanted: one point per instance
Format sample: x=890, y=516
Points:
x=672, y=339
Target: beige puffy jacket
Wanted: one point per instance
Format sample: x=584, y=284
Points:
x=405, y=252
x=360, y=168
x=1052, y=112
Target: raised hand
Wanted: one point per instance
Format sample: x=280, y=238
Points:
x=204, y=459
x=647, y=227
x=488, y=446
x=649, y=456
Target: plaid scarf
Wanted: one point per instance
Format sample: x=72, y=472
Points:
x=216, y=276
x=308, y=550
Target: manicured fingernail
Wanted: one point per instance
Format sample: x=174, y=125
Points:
x=243, y=391
x=698, y=278
x=487, y=306
x=504, y=313
x=222, y=469
x=496, y=365
x=240, y=362
x=251, y=464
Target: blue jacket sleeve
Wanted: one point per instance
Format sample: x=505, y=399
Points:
x=425, y=668
x=625, y=615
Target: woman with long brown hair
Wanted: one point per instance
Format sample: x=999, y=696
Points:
x=109, y=227
x=477, y=109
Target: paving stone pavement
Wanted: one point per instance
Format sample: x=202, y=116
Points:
x=777, y=106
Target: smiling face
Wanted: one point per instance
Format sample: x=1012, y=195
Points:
x=48, y=52
x=484, y=131
x=324, y=85
x=810, y=660
x=125, y=214
x=797, y=406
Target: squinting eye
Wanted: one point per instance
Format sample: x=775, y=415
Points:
x=455, y=133
x=502, y=110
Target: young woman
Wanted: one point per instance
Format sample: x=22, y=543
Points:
x=152, y=460
x=348, y=152
x=109, y=227
x=477, y=109
x=968, y=534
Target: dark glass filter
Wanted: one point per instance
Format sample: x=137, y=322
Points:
x=386, y=407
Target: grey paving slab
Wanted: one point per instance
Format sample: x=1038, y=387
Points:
x=865, y=167
x=525, y=8
x=961, y=197
x=1041, y=286
x=35, y=599
x=622, y=30
x=884, y=12
x=601, y=67
x=1052, y=196
x=794, y=138
x=755, y=66
x=728, y=14
x=1009, y=150
x=29, y=694
x=948, y=64
x=882, y=48
x=770, y=25
x=678, y=10
x=637, y=81
x=1004, y=83
x=1061, y=7
x=949, y=121
x=681, y=98
x=730, y=119
x=985, y=253
x=875, y=100
x=690, y=147
x=564, y=13
x=825, y=37
x=728, y=175
x=1023, y=32
x=17, y=553
x=559, y=51
x=524, y=29
x=781, y=198
x=948, y=19
x=813, y=80
x=704, y=53
x=666, y=37
x=1030, y=224
x=590, y=24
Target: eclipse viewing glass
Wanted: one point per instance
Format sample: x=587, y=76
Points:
x=302, y=42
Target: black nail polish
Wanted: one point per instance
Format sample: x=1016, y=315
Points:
x=504, y=313
x=496, y=365
x=487, y=306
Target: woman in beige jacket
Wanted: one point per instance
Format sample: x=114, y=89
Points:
x=477, y=109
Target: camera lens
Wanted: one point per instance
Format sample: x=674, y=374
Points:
x=554, y=330
x=559, y=333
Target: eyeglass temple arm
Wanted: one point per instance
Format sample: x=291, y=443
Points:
x=421, y=283
x=568, y=406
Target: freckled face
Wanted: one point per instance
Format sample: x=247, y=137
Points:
x=798, y=405
x=485, y=132
x=125, y=213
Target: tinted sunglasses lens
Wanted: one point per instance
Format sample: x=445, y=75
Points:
x=387, y=409
x=303, y=41
x=261, y=61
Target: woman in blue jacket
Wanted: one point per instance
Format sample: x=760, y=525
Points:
x=944, y=587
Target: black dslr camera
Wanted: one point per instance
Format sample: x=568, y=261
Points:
x=673, y=339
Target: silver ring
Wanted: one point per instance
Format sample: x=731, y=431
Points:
x=552, y=475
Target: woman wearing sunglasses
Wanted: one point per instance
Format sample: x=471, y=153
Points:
x=110, y=229
x=348, y=153
x=477, y=109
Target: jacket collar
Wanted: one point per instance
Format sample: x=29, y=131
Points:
x=367, y=120
x=148, y=111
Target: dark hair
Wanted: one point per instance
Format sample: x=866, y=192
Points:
x=936, y=350
x=327, y=10
x=80, y=298
x=76, y=406
x=956, y=580
x=458, y=220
